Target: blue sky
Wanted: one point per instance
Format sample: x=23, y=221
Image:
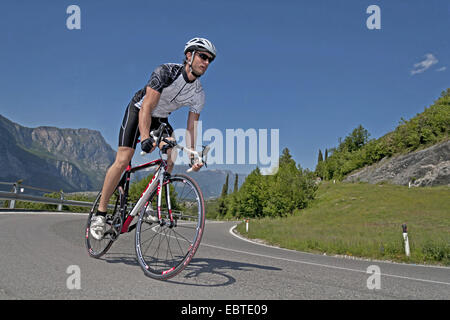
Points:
x=311, y=69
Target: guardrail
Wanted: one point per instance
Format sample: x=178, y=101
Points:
x=26, y=197
x=17, y=195
x=18, y=185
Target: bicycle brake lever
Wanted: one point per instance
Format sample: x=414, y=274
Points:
x=205, y=154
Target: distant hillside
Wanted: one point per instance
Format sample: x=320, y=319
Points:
x=53, y=158
x=426, y=129
x=427, y=167
x=74, y=160
x=210, y=181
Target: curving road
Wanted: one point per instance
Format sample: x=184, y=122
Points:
x=38, y=252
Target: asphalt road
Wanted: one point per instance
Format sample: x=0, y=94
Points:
x=41, y=253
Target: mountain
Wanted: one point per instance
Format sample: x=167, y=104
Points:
x=74, y=160
x=53, y=158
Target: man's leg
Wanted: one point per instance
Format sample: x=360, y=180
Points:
x=123, y=158
x=171, y=156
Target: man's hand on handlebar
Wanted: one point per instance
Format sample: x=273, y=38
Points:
x=148, y=145
x=198, y=159
x=195, y=165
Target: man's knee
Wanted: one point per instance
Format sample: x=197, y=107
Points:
x=123, y=158
x=121, y=164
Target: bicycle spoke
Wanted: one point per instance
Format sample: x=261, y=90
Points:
x=168, y=248
x=151, y=240
x=178, y=242
x=181, y=236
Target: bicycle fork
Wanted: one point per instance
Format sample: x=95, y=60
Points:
x=163, y=183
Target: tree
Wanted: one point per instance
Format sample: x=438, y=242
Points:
x=320, y=159
x=286, y=157
x=283, y=193
x=249, y=201
x=289, y=190
x=236, y=183
x=223, y=199
x=356, y=140
x=225, y=188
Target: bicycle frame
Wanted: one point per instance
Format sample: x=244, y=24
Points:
x=156, y=181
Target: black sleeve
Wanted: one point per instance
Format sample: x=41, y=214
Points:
x=162, y=77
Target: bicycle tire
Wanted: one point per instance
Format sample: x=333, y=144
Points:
x=187, y=234
x=97, y=248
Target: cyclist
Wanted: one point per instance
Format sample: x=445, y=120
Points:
x=170, y=87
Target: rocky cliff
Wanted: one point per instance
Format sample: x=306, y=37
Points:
x=53, y=158
x=428, y=167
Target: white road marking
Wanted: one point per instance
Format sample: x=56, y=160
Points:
x=312, y=263
x=251, y=253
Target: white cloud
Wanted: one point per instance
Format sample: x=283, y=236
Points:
x=424, y=65
x=441, y=69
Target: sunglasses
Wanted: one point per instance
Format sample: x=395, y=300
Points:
x=205, y=57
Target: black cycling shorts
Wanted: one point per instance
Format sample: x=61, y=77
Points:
x=129, y=130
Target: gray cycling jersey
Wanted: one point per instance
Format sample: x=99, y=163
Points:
x=176, y=90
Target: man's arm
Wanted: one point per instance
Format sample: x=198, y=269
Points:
x=191, y=130
x=191, y=135
x=151, y=100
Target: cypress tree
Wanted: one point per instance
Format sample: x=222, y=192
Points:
x=225, y=189
x=222, y=199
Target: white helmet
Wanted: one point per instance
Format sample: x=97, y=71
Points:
x=200, y=44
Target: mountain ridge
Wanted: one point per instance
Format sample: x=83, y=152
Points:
x=73, y=160
x=53, y=158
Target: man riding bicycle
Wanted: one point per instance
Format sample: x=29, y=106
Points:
x=170, y=87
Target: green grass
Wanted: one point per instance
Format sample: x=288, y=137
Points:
x=365, y=220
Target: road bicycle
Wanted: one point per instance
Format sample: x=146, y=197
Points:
x=169, y=217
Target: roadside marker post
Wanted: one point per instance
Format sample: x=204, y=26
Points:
x=405, y=238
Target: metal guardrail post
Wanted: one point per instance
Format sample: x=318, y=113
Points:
x=61, y=197
x=12, y=203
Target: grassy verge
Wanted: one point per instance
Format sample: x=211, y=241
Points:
x=365, y=220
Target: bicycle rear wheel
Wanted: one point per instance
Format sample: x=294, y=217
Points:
x=163, y=248
x=97, y=248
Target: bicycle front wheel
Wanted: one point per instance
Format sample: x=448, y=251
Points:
x=165, y=247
